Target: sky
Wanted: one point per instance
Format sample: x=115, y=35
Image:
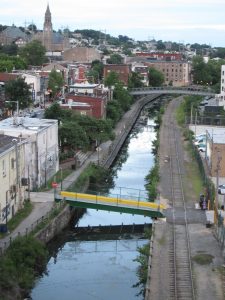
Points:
x=186, y=21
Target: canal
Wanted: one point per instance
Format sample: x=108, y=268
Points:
x=103, y=266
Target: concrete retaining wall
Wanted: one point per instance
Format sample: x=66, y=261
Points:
x=60, y=222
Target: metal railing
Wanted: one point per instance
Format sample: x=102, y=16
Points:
x=8, y=239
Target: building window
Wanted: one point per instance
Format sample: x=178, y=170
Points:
x=3, y=168
x=12, y=163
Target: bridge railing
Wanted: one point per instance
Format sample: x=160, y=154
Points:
x=98, y=199
x=184, y=88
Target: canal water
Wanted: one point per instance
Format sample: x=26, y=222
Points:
x=103, y=266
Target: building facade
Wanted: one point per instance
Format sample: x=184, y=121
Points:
x=123, y=71
x=12, y=174
x=176, y=73
x=41, y=149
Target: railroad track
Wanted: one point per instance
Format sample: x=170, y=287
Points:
x=180, y=266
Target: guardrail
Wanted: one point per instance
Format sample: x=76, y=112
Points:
x=172, y=90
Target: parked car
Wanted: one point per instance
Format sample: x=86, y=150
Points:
x=200, y=141
x=201, y=147
x=221, y=189
x=200, y=136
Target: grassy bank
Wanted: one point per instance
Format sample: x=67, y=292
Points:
x=152, y=179
x=196, y=178
x=24, y=260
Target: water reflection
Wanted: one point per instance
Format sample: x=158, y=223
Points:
x=87, y=271
x=104, y=269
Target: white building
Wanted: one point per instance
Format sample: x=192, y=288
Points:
x=41, y=148
x=84, y=88
x=221, y=97
x=12, y=174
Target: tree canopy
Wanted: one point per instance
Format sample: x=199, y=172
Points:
x=9, y=63
x=207, y=73
x=55, y=82
x=33, y=53
x=155, y=77
x=111, y=79
x=135, y=80
x=18, y=91
x=115, y=59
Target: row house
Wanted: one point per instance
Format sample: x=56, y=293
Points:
x=123, y=71
x=171, y=56
x=41, y=148
x=93, y=106
x=176, y=73
x=12, y=175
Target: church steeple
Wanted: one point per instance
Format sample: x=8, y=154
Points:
x=48, y=20
x=47, y=30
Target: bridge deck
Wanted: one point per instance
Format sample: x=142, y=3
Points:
x=113, y=204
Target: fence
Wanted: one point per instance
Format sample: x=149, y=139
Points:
x=220, y=233
x=6, y=242
x=210, y=189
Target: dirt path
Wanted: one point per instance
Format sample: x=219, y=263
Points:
x=208, y=279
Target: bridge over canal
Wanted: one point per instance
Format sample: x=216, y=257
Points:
x=116, y=204
x=172, y=90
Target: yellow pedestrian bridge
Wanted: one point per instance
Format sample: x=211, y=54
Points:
x=115, y=204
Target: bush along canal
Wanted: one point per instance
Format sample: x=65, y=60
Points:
x=94, y=260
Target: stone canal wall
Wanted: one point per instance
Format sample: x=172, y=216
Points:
x=60, y=222
x=129, y=120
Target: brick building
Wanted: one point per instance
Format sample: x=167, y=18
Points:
x=123, y=71
x=161, y=56
x=176, y=73
x=97, y=105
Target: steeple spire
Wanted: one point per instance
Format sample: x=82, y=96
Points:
x=47, y=30
x=48, y=19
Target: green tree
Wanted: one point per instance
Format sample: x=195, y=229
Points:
x=33, y=53
x=98, y=67
x=9, y=49
x=92, y=76
x=135, y=80
x=32, y=27
x=18, y=91
x=207, y=73
x=72, y=136
x=200, y=70
x=115, y=59
x=220, y=52
x=8, y=63
x=155, y=77
x=113, y=111
x=122, y=96
x=55, y=112
x=111, y=79
x=55, y=82
x=160, y=45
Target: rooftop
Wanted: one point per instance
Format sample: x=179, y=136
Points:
x=6, y=142
x=216, y=133
x=19, y=124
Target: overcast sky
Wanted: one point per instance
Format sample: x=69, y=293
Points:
x=187, y=21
